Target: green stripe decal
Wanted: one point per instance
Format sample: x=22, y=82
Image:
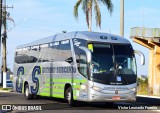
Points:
x=47, y=84
x=55, y=85
x=67, y=80
x=46, y=89
x=58, y=90
x=53, y=95
x=60, y=86
x=58, y=95
x=41, y=69
x=23, y=87
x=45, y=94
x=54, y=90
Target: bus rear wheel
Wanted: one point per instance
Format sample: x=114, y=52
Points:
x=27, y=94
x=69, y=96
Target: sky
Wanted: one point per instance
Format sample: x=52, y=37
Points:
x=36, y=19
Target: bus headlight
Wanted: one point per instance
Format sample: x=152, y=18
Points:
x=133, y=89
x=96, y=88
x=91, y=85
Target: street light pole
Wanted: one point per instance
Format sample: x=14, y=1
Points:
x=122, y=18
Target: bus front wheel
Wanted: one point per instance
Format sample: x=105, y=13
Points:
x=27, y=94
x=69, y=96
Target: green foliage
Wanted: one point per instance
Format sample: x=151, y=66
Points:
x=142, y=86
x=5, y=89
x=89, y=5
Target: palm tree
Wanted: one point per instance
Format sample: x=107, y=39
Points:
x=5, y=16
x=87, y=7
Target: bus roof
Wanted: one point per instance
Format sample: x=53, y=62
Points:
x=91, y=36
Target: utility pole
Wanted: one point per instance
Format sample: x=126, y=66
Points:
x=4, y=38
x=4, y=46
x=1, y=1
x=122, y=18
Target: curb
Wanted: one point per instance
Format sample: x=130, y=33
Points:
x=157, y=97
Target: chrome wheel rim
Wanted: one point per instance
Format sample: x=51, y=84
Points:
x=27, y=92
x=69, y=96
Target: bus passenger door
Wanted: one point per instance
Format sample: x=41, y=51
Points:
x=80, y=77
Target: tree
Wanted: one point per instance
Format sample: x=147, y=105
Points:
x=5, y=17
x=4, y=36
x=87, y=7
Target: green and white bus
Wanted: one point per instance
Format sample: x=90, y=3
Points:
x=77, y=66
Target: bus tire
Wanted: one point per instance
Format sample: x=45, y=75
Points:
x=27, y=94
x=69, y=96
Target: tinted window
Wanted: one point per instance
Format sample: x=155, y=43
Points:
x=45, y=52
x=102, y=57
x=64, y=51
x=26, y=55
x=123, y=50
x=83, y=64
x=77, y=43
x=80, y=55
x=57, y=51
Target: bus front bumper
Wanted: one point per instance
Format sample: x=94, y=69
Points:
x=96, y=96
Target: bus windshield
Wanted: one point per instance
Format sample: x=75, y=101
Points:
x=111, y=61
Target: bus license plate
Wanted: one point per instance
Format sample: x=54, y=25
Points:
x=116, y=97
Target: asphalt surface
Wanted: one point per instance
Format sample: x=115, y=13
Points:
x=19, y=104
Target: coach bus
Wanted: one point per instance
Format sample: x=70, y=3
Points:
x=78, y=66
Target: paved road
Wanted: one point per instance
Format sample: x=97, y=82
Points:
x=50, y=105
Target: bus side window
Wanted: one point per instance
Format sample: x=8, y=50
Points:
x=65, y=51
x=83, y=64
x=26, y=55
x=44, y=53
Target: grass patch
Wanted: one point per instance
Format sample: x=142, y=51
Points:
x=142, y=88
x=5, y=89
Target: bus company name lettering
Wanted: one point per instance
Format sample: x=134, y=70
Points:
x=67, y=69
x=37, y=70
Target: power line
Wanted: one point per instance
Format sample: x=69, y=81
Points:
x=36, y=28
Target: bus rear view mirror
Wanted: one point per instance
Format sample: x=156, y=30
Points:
x=88, y=53
x=141, y=55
